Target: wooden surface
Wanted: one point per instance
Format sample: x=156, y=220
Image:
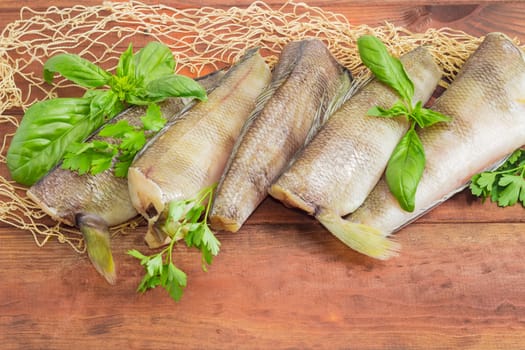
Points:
x=283, y=281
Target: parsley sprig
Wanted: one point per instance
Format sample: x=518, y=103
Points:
x=505, y=185
x=182, y=222
x=97, y=156
x=407, y=162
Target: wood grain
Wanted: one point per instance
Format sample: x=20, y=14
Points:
x=283, y=282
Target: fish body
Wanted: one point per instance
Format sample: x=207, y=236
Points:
x=340, y=166
x=191, y=153
x=307, y=84
x=95, y=202
x=486, y=104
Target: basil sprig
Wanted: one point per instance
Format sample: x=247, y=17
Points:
x=407, y=162
x=48, y=127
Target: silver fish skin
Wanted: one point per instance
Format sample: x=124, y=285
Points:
x=337, y=170
x=487, y=104
x=307, y=85
x=191, y=153
x=95, y=202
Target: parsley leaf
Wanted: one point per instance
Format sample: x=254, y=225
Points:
x=153, y=120
x=181, y=222
x=505, y=185
x=98, y=156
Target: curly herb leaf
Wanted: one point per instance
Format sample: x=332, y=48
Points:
x=182, y=222
x=505, y=185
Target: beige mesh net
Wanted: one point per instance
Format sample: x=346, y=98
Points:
x=202, y=40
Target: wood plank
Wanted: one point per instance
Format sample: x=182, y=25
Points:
x=283, y=281
x=458, y=299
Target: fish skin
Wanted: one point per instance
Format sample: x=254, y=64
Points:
x=337, y=170
x=488, y=123
x=306, y=81
x=95, y=202
x=191, y=154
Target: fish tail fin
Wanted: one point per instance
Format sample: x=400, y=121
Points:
x=362, y=238
x=96, y=235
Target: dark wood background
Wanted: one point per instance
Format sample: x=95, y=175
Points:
x=283, y=281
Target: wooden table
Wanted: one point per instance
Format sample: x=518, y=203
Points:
x=283, y=281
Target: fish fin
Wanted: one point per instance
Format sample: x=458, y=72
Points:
x=359, y=81
x=347, y=88
x=96, y=235
x=362, y=238
x=327, y=109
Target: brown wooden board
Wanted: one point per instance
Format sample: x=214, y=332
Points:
x=283, y=281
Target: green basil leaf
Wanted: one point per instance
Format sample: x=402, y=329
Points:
x=405, y=168
x=153, y=61
x=427, y=117
x=126, y=65
x=387, y=69
x=175, y=85
x=46, y=130
x=104, y=104
x=76, y=69
x=398, y=109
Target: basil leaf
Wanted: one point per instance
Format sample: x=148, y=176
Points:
x=126, y=65
x=76, y=69
x=387, y=69
x=46, y=130
x=405, y=168
x=427, y=117
x=175, y=85
x=398, y=109
x=104, y=104
x=153, y=61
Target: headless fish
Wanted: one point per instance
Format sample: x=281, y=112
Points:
x=486, y=103
x=337, y=170
x=95, y=202
x=307, y=85
x=191, y=153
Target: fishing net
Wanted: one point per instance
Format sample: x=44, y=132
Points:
x=202, y=40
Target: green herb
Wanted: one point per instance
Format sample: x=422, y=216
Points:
x=98, y=156
x=505, y=185
x=182, y=222
x=407, y=162
x=48, y=127
x=43, y=134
